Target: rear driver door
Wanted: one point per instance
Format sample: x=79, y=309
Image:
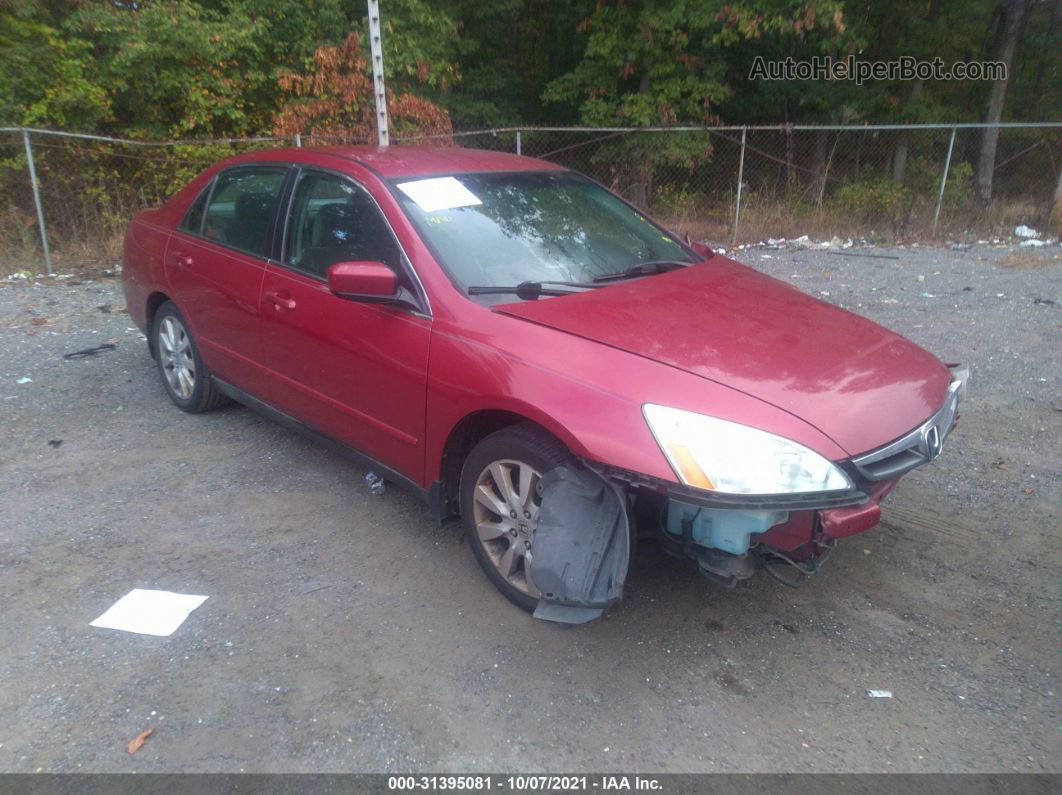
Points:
x=216, y=262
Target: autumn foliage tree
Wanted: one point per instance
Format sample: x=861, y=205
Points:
x=334, y=99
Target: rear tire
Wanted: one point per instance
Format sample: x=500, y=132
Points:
x=184, y=376
x=500, y=496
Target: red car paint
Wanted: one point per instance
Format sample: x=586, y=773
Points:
x=717, y=338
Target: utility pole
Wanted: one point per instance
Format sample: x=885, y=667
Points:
x=376, y=48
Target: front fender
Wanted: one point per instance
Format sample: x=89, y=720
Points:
x=466, y=376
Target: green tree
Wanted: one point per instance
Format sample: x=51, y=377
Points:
x=44, y=76
x=174, y=69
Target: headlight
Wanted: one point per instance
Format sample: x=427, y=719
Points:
x=723, y=456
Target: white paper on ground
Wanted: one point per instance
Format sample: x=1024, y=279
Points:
x=879, y=693
x=438, y=193
x=149, y=612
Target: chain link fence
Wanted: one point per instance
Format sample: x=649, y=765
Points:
x=723, y=184
x=87, y=189
x=877, y=182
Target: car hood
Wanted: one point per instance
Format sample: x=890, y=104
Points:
x=858, y=383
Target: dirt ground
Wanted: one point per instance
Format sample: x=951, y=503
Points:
x=344, y=632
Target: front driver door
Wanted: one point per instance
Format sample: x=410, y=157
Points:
x=355, y=371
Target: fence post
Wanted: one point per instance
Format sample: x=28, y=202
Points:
x=944, y=180
x=37, y=200
x=741, y=177
x=519, y=145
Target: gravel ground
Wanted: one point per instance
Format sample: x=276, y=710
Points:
x=344, y=632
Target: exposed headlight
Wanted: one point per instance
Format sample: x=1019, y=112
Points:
x=723, y=456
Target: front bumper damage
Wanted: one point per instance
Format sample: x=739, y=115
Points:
x=731, y=545
x=592, y=513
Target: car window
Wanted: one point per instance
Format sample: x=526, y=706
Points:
x=193, y=219
x=333, y=220
x=241, y=208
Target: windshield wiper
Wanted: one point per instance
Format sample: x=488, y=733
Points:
x=644, y=269
x=530, y=291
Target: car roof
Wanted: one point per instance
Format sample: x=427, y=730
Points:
x=414, y=161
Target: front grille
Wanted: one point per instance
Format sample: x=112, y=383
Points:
x=915, y=448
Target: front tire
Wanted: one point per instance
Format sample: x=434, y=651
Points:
x=186, y=379
x=500, y=498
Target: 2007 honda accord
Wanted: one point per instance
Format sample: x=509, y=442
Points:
x=538, y=358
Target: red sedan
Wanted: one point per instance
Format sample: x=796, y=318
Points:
x=536, y=357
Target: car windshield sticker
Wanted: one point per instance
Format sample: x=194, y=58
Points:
x=438, y=193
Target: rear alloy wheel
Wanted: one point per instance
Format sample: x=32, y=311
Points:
x=183, y=373
x=175, y=357
x=501, y=493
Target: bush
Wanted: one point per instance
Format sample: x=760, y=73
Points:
x=878, y=200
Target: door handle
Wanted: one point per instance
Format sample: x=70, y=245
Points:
x=280, y=300
x=182, y=260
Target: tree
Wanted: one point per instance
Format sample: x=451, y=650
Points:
x=1011, y=17
x=173, y=69
x=334, y=99
x=45, y=77
x=665, y=62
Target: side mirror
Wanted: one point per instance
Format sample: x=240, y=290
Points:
x=364, y=281
x=700, y=248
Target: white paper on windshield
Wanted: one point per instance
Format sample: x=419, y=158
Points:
x=149, y=612
x=438, y=193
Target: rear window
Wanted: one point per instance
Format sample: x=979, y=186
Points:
x=193, y=219
x=242, y=207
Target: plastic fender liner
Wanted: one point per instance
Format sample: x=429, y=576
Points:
x=581, y=548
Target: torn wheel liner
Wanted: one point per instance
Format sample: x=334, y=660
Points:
x=581, y=548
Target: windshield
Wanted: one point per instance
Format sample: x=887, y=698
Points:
x=501, y=229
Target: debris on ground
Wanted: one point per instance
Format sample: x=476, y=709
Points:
x=1031, y=243
x=55, y=442
x=87, y=352
x=24, y=380
x=148, y=612
x=1021, y=230
x=375, y=483
x=135, y=744
x=799, y=243
x=879, y=694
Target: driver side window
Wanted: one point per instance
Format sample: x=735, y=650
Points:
x=332, y=220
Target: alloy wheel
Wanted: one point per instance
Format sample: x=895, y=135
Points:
x=175, y=354
x=506, y=503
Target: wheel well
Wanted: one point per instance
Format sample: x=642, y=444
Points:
x=155, y=300
x=464, y=436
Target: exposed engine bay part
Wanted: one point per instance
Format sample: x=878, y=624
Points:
x=726, y=569
x=581, y=548
x=730, y=546
x=774, y=561
x=728, y=530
